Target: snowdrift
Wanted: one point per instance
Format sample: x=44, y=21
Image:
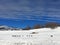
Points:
x=43, y=36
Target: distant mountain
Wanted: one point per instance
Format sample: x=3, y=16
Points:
x=4, y=27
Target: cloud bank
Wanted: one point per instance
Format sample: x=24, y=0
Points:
x=30, y=9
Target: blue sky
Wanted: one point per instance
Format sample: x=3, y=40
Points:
x=19, y=13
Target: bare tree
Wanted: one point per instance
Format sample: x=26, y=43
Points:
x=51, y=25
x=37, y=26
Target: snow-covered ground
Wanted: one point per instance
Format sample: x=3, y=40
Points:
x=44, y=36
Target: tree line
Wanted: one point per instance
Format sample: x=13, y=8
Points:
x=51, y=25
